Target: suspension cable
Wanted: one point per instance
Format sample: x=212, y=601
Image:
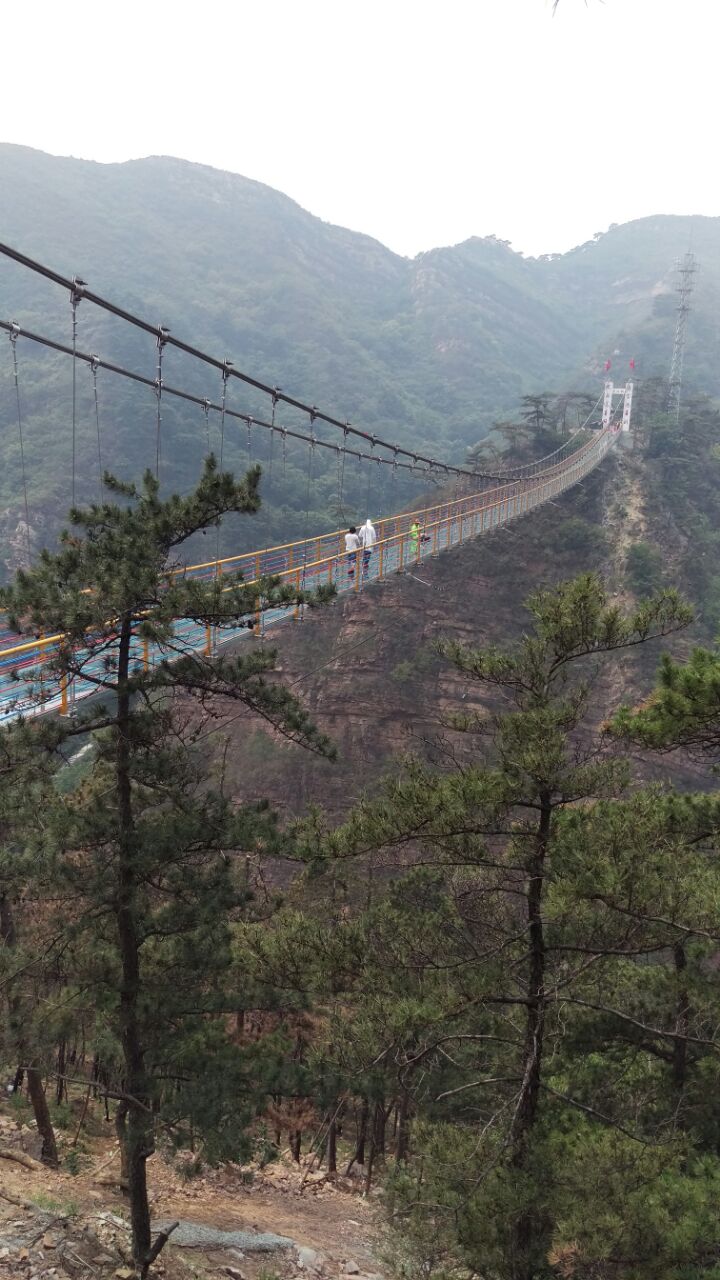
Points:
x=367, y=493
x=75, y=300
x=547, y=457
x=227, y=368
x=14, y=334
x=341, y=495
x=163, y=335
x=272, y=435
x=223, y=410
x=188, y=396
x=157, y=331
x=94, y=365
x=311, y=464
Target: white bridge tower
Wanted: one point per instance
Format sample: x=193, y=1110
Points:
x=613, y=394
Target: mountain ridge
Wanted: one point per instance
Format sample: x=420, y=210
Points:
x=428, y=351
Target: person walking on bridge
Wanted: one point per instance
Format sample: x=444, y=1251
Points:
x=352, y=546
x=368, y=538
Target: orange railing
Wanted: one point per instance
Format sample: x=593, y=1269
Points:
x=403, y=540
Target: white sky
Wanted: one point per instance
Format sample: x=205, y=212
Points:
x=418, y=122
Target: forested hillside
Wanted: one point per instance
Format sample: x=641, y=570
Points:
x=429, y=351
x=395, y=930
x=480, y=978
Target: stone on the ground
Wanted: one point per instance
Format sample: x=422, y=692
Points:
x=351, y=1268
x=197, y=1235
x=310, y=1259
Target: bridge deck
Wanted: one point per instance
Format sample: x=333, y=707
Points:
x=28, y=687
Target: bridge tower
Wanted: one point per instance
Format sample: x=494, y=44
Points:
x=609, y=408
x=686, y=269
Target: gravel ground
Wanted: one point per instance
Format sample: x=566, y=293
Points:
x=195, y=1235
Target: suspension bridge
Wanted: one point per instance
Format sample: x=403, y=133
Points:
x=29, y=685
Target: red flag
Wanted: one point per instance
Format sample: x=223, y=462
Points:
x=607, y=366
x=632, y=363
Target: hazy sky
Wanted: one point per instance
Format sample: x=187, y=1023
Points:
x=419, y=123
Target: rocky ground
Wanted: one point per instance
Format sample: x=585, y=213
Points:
x=279, y=1222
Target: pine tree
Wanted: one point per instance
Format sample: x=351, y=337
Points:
x=535, y=926
x=682, y=711
x=143, y=849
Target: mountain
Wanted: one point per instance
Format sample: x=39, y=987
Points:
x=429, y=350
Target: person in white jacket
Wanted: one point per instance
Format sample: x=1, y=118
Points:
x=368, y=538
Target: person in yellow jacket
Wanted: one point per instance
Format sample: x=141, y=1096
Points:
x=414, y=539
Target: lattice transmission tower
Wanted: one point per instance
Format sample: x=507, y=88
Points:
x=686, y=270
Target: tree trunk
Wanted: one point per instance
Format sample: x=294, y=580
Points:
x=139, y=1129
x=401, y=1138
x=121, y=1133
x=379, y=1122
x=362, y=1132
x=7, y=921
x=61, y=1088
x=525, y=1229
x=295, y=1145
x=36, y=1092
x=370, y=1163
x=48, y=1154
x=682, y=1020
x=331, y=1146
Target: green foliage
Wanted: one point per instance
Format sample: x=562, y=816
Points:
x=403, y=671
x=684, y=708
x=74, y=1161
x=684, y=488
x=643, y=567
x=62, y=1115
x=140, y=847
x=579, y=537
x=439, y=347
x=63, y=1208
x=535, y=987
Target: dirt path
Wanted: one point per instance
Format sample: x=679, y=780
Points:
x=332, y=1228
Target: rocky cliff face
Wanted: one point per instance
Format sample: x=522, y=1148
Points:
x=366, y=665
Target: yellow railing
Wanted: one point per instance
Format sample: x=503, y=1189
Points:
x=305, y=564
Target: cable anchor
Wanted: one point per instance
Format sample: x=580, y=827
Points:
x=77, y=293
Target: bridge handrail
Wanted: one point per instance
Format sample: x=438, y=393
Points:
x=517, y=484
x=528, y=487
